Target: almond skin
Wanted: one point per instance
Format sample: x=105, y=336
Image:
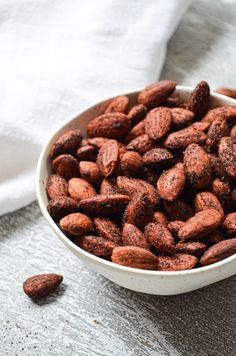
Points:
x=80, y=189
x=183, y=138
x=56, y=186
x=158, y=158
x=141, y=144
x=107, y=159
x=181, y=117
x=207, y=200
x=41, y=285
x=155, y=94
x=137, y=114
x=131, y=163
x=135, y=257
x=229, y=224
x=132, y=236
x=132, y=186
x=118, y=104
x=217, y=130
x=227, y=154
x=76, y=224
x=66, y=143
x=139, y=211
x=160, y=238
x=61, y=206
x=219, y=251
x=171, y=183
x=109, y=186
x=158, y=123
x=178, y=210
x=195, y=248
x=199, y=100
x=112, y=125
x=104, y=205
x=177, y=262
x=216, y=166
x=85, y=153
x=136, y=131
x=197, y=166
x=226, y=112
x=65, y=166
x=160, y=218
x=89, y=171
x=96, y=245
x=107, y=229
x=200, y=225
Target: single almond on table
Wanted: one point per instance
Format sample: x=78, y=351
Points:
x=41, y=285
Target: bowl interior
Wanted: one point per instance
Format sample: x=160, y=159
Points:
x=80, y=122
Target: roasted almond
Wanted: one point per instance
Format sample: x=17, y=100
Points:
x=155, y=94
x=171, y=183
x=132, y=236
x=104, y=205
x=66, y=143
x=131, y=163
x=199, y=100
x=158, y=158
x=219, y=251
x=118, y=104
x=56, y=186
x=139, y=211
x=41, y=285
x=223, y=193
x=80, y=189
x=136, y=131
x=97, y=142
x=135, y=257
x=227, y=154
x=109, y=186
x=200, y=225
x=107, y=229
x=174, y=227
x=160, y=218
x=229, y=224
x=112, y=125
x=89, y=171
x=160, y=238
x=207, y=200
x=136, y=114
x=183, y=138
x=141, y=144
x=197, y=166
x=217, y=168
x=85, y=153
x=132, y=186
x=225, y=112
x=158, y=123
x=96, y=245
x=178, y=210
x=107, y=159
x=76, y=224
x=195, y=248
x=227, y=92
x=61, y=206
x=217, y=130
x=181, y=117
x=65, y=166
x=177, y=262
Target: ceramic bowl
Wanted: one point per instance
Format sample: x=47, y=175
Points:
x=153, y=282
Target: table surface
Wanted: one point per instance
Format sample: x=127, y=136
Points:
x=90, y=315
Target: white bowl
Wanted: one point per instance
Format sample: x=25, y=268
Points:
x=153, y=282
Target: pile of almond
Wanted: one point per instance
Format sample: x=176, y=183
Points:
x=153, y=185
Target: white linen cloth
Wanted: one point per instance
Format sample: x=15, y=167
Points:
x=58, y=56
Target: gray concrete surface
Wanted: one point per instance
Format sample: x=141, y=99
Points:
x=90, y=315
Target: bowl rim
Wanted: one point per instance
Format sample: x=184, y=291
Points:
x=96, y=259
